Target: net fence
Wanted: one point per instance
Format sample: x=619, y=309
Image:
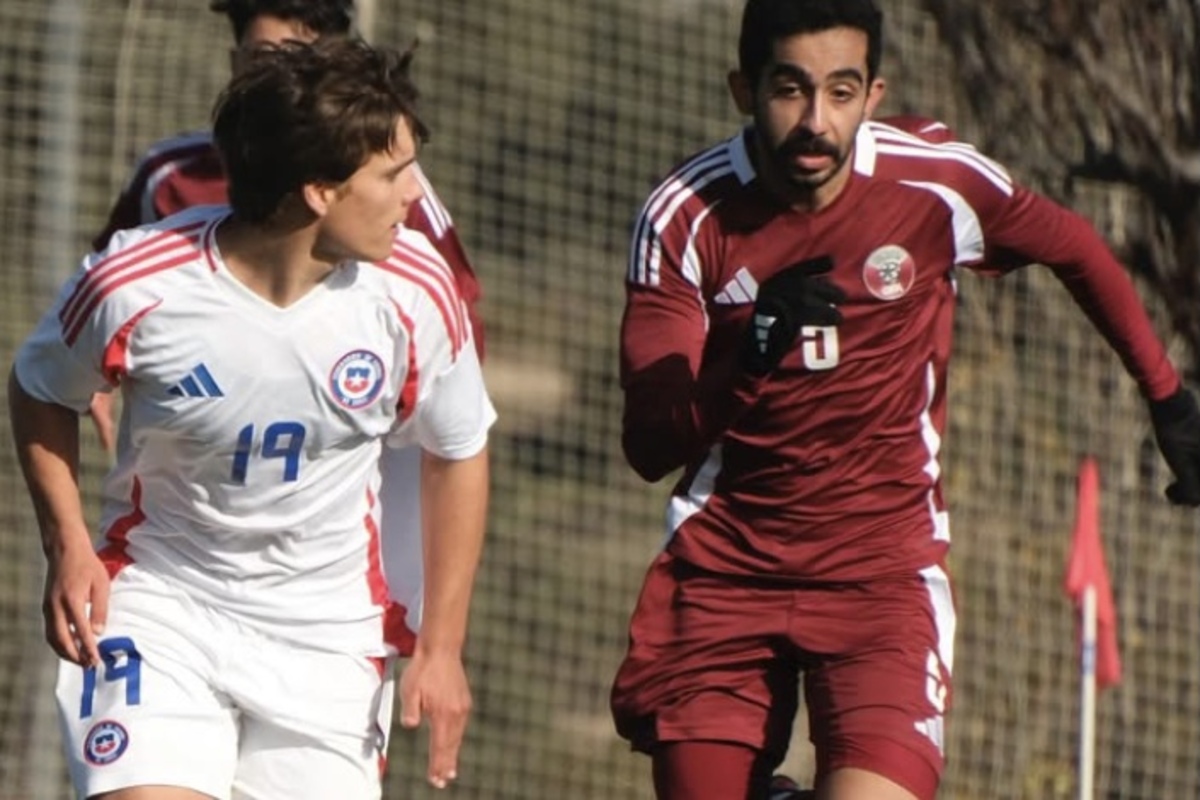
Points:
x=551, y=121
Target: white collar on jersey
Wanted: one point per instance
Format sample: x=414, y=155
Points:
x=739, y=156
x=865, y=153
x=864, y=150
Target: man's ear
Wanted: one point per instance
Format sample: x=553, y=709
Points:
x=741, y=90
x=875, y=95
x=319, y=197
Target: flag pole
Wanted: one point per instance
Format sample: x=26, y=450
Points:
x=1087, y=696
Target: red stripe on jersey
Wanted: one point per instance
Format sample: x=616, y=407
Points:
x=72, y=333
x=150, y=247
x=114, y=355
x=444, y=277
x=375, y=579
x=115, y=555
x=396, y=631
x=440, y=288
x=408, y=392
x=380, y=665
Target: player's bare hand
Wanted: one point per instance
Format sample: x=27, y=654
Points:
x=101, y=412
x=75, y=604
x=434, y=687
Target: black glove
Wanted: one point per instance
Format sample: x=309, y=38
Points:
x=1177, y=430
x=791, y=298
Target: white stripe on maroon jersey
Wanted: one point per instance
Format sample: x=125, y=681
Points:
x=968, y=231
x=894, y=142
x=645, y=225
x=431, y=204
x=148, y=211
x=646, y=253
x=886, y=132
x=162, y=159
x=896, y=136
x=693, y=270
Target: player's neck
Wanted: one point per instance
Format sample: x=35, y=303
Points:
x=274, y=260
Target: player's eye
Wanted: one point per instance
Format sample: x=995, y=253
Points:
x=843, y=94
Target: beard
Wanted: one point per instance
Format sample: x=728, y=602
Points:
x=787, y=172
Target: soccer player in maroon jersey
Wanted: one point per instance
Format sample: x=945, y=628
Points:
x=184, y=170
x=785, y=341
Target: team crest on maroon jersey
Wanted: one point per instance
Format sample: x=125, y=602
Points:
x=889, y=272
x=357, y=379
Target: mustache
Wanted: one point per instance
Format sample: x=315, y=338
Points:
x=806, y=144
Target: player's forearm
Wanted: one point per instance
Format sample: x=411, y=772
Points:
x=454, y=496
x=46, y=437
x=1104, y=291
x=671, y=416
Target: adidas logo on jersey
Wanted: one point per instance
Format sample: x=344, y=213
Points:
x=742, y=289
x=199, y=383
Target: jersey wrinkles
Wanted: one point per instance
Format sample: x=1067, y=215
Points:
x=247, y=471
x=829, y=469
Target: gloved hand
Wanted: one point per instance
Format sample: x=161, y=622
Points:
x=795, y=296
x=1177, y=429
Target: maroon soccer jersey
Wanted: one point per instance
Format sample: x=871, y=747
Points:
x=828, y=468
x=185, y=171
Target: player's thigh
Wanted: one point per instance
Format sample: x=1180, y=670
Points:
x=314, y=724
x=877, y=694
x=148, y=714
x=704, y=662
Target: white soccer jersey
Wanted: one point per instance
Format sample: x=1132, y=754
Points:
x=247, y=465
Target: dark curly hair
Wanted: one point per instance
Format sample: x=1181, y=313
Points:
x=765, y=21
x=309, y=113
x=322, y=17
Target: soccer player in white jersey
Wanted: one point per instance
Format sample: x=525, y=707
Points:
x=229, y=640
x=185, y=170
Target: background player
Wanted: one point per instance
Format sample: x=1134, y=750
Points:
x=786, y=337
x=185, y=170
x=232, y=628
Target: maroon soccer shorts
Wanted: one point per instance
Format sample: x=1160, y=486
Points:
x=718, y=658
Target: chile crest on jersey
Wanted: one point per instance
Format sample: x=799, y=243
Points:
x=357, y=379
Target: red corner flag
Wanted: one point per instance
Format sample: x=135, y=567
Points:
x=1086, y=568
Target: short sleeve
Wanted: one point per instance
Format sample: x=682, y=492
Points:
x=55, y=366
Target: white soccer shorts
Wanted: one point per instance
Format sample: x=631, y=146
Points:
x=189, y=696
